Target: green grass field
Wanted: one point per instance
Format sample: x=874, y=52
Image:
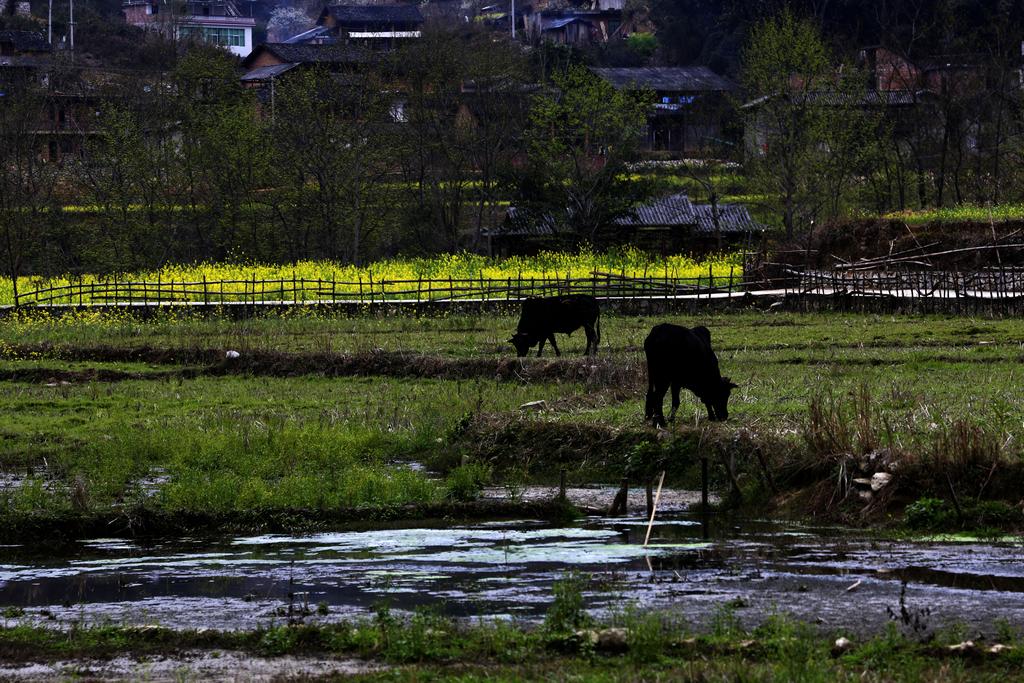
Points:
x=174, y=437
x=148, y=432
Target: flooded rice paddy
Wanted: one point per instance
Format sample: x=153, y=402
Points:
x=505, y=570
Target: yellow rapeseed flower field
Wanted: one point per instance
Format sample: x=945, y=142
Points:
x=434, y=277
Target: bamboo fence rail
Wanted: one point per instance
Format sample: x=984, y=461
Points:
x=1002, y=282
x=114, y=291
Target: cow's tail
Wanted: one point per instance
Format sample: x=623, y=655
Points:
x=597, y=329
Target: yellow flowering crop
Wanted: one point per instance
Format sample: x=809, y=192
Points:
x=399, y=278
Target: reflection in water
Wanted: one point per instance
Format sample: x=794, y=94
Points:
x=506, y=569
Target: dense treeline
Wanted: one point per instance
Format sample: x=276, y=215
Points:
x=422, y=149
x=415, y=153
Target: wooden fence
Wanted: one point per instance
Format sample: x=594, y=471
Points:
x=302, y=290
x=989, y=284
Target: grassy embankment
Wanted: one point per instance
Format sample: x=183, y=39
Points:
x=110, y=414
x=964, y=213
x=632, y=645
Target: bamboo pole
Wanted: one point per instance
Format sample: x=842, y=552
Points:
x=654, y=510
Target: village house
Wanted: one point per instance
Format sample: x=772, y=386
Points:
x=219, y=22
x=690, y=107
x=25, y=59
x=375, y=27
x=576, y=27
x=22, y=54
x=12, y=8
x=890, y=71
x=912, y=96
x=669, y=225
x=271, y=60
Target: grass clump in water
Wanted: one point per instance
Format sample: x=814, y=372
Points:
x=467, y=481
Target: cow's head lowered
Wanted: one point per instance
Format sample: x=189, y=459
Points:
x=524, y=341
x=717, y=399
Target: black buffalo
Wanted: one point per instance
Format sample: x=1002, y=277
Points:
x=681, y=357
x=541, y=318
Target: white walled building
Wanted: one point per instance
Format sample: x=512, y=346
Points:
x=219, y=22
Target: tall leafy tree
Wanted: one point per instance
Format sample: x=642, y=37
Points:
x=27, y=178
x=224, y=151
x=580, y=139
x=806, y=122
x=436, y=151
x=333, y=143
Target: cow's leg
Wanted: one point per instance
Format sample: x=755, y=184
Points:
x=649, y=401
x=540, y=346
x=551, y=338
x=655, y=401
x=711, y=412
x=591, y=340
x=676, y=386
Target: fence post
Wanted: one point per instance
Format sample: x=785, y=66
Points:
x=732, y=269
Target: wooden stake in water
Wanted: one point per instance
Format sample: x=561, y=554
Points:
x=654, y=511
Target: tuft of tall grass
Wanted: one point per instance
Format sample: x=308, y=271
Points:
x=836, y=425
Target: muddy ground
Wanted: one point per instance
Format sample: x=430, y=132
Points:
x=186, y=666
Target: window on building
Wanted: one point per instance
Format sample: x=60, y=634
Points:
x=227, y=37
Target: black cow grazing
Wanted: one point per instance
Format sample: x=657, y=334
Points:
x=681, y=357
x=541, y=318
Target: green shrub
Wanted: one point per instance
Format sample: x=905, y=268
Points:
x=465, y=482
x=929, y=513
x=566, y=613
x=644, y=44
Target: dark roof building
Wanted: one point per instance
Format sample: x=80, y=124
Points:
x=676, y=79
x=579, y=27
x=374, y=26
x=270, y=60
x=371, y=16
x=733, y=219
x=15, y=43
x=670, y=223
x=23, y=54
x=690, y=107
x=671, y=211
